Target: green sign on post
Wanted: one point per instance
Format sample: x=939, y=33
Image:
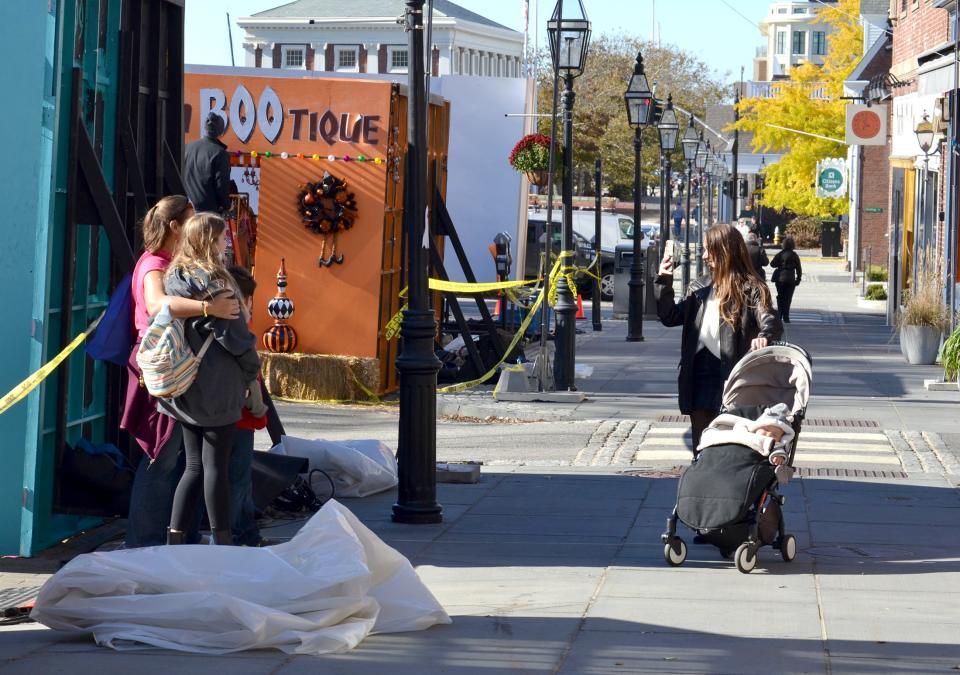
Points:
x=873, y=209
x=831, y=178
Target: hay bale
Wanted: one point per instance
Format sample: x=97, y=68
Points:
x=320, y=377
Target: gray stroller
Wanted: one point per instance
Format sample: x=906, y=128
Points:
x=729, y=494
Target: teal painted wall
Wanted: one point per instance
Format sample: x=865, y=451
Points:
x=27, y=36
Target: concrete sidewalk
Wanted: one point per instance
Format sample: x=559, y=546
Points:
x=562, y=571
x=552, y=563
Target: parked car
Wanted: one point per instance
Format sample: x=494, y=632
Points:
x=612, y=228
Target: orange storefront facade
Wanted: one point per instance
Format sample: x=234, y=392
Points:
x=297, y=129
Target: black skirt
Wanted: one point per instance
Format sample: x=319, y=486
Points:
x=707, y=381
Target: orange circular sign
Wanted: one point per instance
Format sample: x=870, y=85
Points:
x=866, y=124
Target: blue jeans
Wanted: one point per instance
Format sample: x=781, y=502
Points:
x=151, y=498
x=243, y=513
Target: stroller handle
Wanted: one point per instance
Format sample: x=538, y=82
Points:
x=791, y=345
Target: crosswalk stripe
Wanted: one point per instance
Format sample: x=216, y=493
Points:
x=846, y=459
x=844, y=435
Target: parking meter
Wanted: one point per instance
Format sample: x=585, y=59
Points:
x=503, y=258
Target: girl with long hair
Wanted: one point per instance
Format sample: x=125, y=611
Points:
x=210, y=408
x=726, y=314
x=158, y=435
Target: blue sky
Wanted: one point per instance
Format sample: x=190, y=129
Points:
x=708, y=28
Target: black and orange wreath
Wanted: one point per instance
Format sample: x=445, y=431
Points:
x=326, y=206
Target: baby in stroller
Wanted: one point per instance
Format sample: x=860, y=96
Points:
x=770, y=434
x=729, y=494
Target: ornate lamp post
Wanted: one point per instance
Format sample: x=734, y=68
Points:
x=639, y=101
x=569, y=40
x=925, y=138
x=700, y=163
x=668, y=129
x=690, y=142
x=417, y=363
x=761, y=185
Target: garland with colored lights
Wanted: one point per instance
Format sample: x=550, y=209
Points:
x=256, y=155
x=326, y=206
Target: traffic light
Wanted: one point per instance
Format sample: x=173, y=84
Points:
x=761, y=182
x=727, y=188
x=744, y=187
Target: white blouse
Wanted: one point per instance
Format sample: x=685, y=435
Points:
x=710, y=326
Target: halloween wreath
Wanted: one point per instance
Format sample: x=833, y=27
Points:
x=327, y=208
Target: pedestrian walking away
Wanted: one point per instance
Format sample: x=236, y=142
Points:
x=678, y=215
x=209, y=410
x=158, y=436
x=206, y=168
x=787, y=272
x=725, y=314
x=758, y=255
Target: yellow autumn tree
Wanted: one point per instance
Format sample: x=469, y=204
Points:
x=809, y=101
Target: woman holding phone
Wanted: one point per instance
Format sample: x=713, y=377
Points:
x=725, y=314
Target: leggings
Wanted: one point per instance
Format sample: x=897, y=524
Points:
x=207, y=451
x=785, y=299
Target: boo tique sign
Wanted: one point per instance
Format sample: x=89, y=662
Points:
x=243, y=115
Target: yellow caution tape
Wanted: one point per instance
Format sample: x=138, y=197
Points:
x=20, y=392
x=393, y=325
x=463, y=386
x=466, y=288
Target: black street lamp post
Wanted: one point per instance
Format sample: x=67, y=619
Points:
x=569, y=41
x=668, y=129
x=417, y=364
x=597, y=243
x=639, y=101
x=700, y=163
x=761, y=186
x=690, y=144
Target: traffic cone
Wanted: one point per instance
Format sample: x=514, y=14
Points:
x=496, y=310
x=580, y=314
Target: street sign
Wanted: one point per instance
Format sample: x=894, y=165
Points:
x=873, y=209
x=831, y=178
x=866, y=125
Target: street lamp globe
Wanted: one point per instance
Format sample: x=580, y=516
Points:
x=668, y=127
x=639, y=98
x=690, y=142
x=703, y=151
x=925, y=134
x=569, y=37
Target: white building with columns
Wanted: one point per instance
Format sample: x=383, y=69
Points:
x=363, y=36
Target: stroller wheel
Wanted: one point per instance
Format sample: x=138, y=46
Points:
x=788, y=547
x=746, y=558
x=675, y=551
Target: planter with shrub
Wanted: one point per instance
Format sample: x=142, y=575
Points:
x=875, y=292
x=923, y=316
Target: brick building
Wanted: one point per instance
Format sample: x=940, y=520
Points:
x=919, y=83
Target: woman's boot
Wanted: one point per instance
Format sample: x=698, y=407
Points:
x=175, y=537
x=223, y=537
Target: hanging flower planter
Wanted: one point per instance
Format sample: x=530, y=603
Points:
x=531, y=157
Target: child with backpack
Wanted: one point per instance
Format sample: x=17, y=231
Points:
x=158, y=435
x=209, y=408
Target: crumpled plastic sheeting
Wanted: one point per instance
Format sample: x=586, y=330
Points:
x=358, y=468
x=324, y=591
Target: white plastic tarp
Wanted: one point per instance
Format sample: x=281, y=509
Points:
x=358, y=468
x=323, y=591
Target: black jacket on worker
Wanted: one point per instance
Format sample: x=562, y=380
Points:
x=734, y=342
x=206, y=169
x=758, y=256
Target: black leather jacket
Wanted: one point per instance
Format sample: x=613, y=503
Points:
x=734, y=343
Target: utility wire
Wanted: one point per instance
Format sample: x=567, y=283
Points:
x=742, y=15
